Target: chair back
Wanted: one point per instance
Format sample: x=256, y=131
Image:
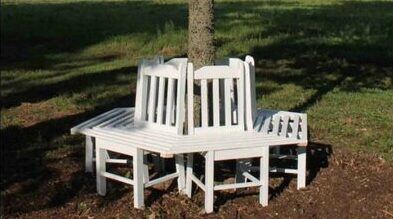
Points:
x=160, y=94
x=251, y=108
x=222, y=97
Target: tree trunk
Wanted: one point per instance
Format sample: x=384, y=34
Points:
x=201, y=50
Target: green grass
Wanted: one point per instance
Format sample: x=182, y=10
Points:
x=64, y=61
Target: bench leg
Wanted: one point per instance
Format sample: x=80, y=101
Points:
x=189, y=172
x=209, y=182
x=242, y=165
x=138, y=172
x=179, y=159
x=145, y=169
x=158, y=163
x=100, y=167
x=89, y=147
x=301, y=167
x=264, y=177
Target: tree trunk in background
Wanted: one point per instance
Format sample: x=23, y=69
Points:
x=201, y=50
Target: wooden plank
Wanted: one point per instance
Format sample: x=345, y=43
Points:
x=190, y=98
x=217, y=130
x=160, y=104
x=259, y=122
x=189, y=174
x=180, y=111
x=89, y=144
x=96, y=120
x=181, y=180
x=216, y=103
x=238, y=153
x=240, y=101
x=209, y=181
x=100, y=168
x=295, y=127
x=138, y=178
x=284, y=127
x=216, y=72
x=204, y=103
x=228, y=105
x=276, y=124
x=251, y=66
x=117, y=178
x=236, y=185
x=141, y=92
x=162, y=70
x=250, y=177
x=169, y=102
x=112, y=119
x=161, y=179
x=266, y=125
x=264, y=177
x=198, y=182
x=301, y=167
x=152, y=99
x=283, y=170
x=304, y=133
x=233, y=102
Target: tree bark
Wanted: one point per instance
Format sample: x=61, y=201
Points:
x=201, y=50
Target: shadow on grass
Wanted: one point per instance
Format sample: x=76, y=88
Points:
x=75, y=84
x=32, y=33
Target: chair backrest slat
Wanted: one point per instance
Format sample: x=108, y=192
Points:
x=251, y=108
x=228, y=102
x=170, y=101
x=142, y=86
x=152, y=98
x=160, y=95
x=160, y=104
x=227, y=86
x=216, y=102
x=204, y=103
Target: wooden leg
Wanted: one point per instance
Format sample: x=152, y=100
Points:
x=264, y=177
x=157, y=163
x=89, y=154
x=242, y=165
x=190, y=163
x=145, y=169
x=209, y=182
x=301, y=167
x=138, y=178
x=100, y=167
x=179, y=159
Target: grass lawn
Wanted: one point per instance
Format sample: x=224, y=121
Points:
x=64, y=61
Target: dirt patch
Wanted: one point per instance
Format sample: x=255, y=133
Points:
x=350, y=185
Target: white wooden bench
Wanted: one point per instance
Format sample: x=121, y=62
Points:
x=159, y=108
x=115, y=130
x=282, y=123
x=101, y=120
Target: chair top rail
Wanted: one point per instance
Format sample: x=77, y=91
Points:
x=216, y=72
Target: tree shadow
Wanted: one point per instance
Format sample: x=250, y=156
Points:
x=318, y=155
x=32, y=33
x=79, y=83
x=320, y=48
